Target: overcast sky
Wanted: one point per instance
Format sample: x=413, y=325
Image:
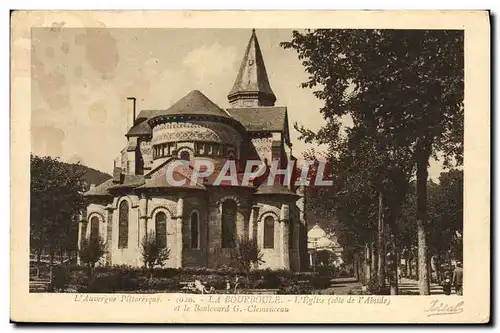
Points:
x=82, y=77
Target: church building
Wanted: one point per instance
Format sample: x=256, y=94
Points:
x=201, y=223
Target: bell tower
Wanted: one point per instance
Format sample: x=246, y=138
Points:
x=252, y=88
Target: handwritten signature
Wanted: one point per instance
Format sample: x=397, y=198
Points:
x=438, y=308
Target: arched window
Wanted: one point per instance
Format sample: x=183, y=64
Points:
x=123, y=225
x=229, y=224
x=195, y=231
x=185, y=155
x=161, y=229
x=269, y=232
x=94, y=228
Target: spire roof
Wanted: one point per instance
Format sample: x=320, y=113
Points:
x=252, y=83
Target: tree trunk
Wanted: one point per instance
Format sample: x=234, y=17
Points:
x=368, y=259
x=373, y=258
x=51, y=265
x=408, y=264
x=394, y=268
x=380, y=243
x=38, y=260
x=423, y=267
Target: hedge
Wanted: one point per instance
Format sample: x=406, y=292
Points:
x=130, y=279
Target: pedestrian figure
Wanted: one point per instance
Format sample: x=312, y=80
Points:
x=458, y=276
x=199, y=286
x=446, y=284
x=228, y=286
x=236, y=283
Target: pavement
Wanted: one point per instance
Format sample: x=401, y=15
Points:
x=410, y=287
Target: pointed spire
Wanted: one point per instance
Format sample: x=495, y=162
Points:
x=252, y=88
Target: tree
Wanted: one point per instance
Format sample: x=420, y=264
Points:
x=407, y=85
x=246, y=253
x=55, y=203
x=91, y=251
x=153, y=253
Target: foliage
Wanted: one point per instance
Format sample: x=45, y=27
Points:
x=403, y=92
x=55, y=204
x=445, y=211
x=246, y=254
x=91, y=251
x=153, y=254
x=61, y=278
x=134, y=279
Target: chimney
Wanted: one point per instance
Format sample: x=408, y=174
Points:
x=130, y=112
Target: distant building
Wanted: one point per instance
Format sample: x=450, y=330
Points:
x=319, y=240
x=201, y=223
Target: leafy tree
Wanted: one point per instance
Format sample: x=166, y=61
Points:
x=246, y=253
x=56, y=202
x=153, y=253
x=407, y=85
x=91, y=251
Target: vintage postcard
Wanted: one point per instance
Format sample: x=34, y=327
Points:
x=250, y=167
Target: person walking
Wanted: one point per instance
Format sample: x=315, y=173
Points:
x=236, y=283
x=458, y=276
x=446, y=283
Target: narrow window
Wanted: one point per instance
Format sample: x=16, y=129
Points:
x=161, y=229
x=94, y=228
x=229, y=224
x=123, y=225
x=195, y=231
x=185, y=155
x=269, y=232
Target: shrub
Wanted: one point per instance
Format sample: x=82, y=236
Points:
x=153, y=254
x=91, y=251
x=158, y=284
x=296, y=289
x=246, y=254
x=114, y=282
x=320, y=282
x=61, y=278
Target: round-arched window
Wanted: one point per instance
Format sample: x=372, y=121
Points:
x=161, y=229
x=269, y=232
x=184, y=155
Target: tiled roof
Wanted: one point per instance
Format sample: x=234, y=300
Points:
x=100, y=190
x=194, y=103
x=261, y=119
x=161, y=182
x=139, y=129
x=129, y=181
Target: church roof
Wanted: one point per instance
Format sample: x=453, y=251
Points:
x=129, y=181
x=141, y=128
x=161, y=182
x=101, y=189
x=274, y=189
x=252, y=75
x=261, y=119
x=194, y=103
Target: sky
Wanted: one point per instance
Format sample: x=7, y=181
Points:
x=80, y=79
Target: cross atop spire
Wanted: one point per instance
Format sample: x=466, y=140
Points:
x=252, y=88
